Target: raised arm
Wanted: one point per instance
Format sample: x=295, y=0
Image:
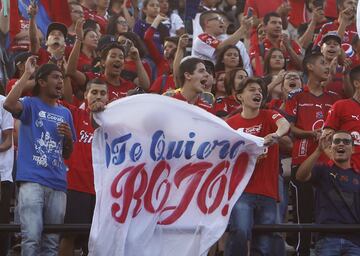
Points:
x=71, y=69
x=34, y=39
x=129, y=18
x=4, y=19
x=180, y=52
x=12, y=103
x=143, y=79
x=283, y=127
x=304, y=171
x=149, y=40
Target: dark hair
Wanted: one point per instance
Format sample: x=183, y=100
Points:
x=267, y=67
x=217, y=75
x=188, y=65
x=95, y=81
x=133, y=37
x=42, y=73
x=220, y=58
x=269, y=15
x=249, y=80
x=90, y=24
x=144, y=4
x=205, y=15
x=86, y=31
x=105, y=51
x=229, y=79
x=355, y=74
x=310, y=59
x=111, y=28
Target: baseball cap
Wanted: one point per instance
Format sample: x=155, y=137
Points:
x=57, y=26
x=104, y=41
x=331, y=35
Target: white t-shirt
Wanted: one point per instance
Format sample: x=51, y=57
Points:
x=174, y=23
x=6, y=157
x=204, y=47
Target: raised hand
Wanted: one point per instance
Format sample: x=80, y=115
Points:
x=30, y=64
x=183, y=41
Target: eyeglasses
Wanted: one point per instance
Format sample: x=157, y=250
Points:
x=344, y=141
x=122, y=22
x=218, y=18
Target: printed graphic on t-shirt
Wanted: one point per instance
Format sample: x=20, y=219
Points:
x=46, y=147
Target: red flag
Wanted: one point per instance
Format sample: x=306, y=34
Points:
x=14, y=19
x=58, y=11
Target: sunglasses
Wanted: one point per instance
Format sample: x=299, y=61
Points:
x=218, y=18
x=344, y=141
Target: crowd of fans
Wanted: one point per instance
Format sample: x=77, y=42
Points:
x=284, y=70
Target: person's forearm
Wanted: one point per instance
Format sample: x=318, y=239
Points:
x=130, y=19
x=307, y=37
x=341, y=30
x=7, y=140
x=176, y=65
x=73, y=58
x=4, y=20
x=34, y=40
x=304, y=171
x=231, y=40
x=144, y=81
x=293, y=56
x=283, y=127
x=149, y=42
x=14, y=95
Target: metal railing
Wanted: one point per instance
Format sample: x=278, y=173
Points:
x=322, y=228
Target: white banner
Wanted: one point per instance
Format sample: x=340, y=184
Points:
x=167, y=175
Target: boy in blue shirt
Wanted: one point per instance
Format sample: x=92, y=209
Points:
x=46, y=137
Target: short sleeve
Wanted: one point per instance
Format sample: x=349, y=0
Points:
x=333, y=118
x=25, y=115
x=291, y=109
x=316, y=174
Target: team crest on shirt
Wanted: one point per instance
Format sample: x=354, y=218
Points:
x=254, y=129
x=319, y=115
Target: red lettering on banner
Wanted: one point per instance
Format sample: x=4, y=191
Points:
x=196, y=170
x=160, y=168
x=132, y=184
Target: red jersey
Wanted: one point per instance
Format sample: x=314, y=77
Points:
x=255, y=49
x=337, y=83
x=84, y=63
x=114, y=91
x=200, y=103
x=308, y=112
x=345, y=115
x=44, y=55
x=162, y=64
x=11, y=85
x=225, y=105
x=350, y=33
x=260, y=9
x=80, y=176
x=264, y=180
x=162, y=84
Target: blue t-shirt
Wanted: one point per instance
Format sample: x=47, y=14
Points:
x=40, y=145
x=330, y=208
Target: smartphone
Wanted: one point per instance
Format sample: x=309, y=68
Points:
x=250, y=12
